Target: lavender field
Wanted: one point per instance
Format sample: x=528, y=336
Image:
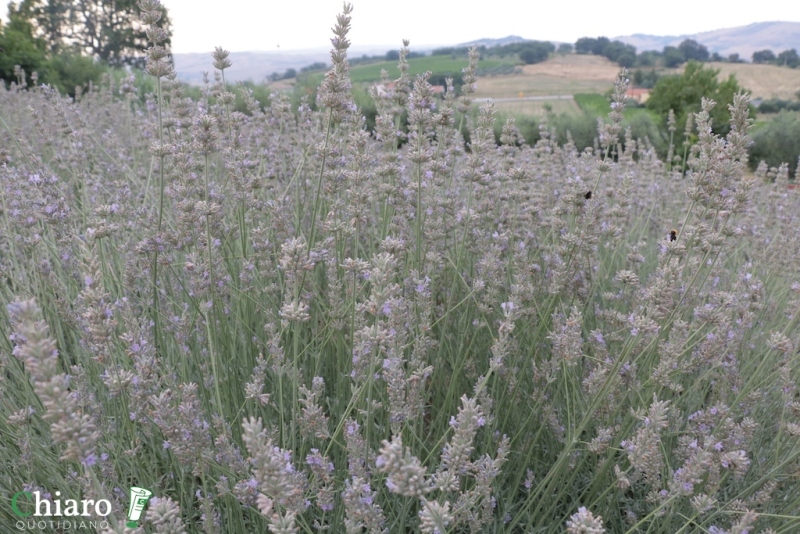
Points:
x=279, y=321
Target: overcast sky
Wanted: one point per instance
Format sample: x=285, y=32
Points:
x=267, y=25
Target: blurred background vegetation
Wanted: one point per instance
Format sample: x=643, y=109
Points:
x=72, y=44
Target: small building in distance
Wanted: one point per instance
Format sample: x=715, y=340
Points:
x=638, y=94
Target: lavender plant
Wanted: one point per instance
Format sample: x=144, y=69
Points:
x=281, y=321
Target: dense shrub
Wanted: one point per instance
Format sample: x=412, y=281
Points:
x=673, y=57
x=643, y=126
x=683, y=93
x=778, y=141
x=65, y=71
x=763, y=56
x=528, y=52
x=648, y=58
x=693, y=51
x=774, y=105
x=788, y=58
x=19, y=48
x=534, y=51
x=645, y=79
x=617, y=51
x=68, y=72
x=581, y=128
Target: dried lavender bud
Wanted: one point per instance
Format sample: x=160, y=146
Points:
x=221, y=61
x=584, y=522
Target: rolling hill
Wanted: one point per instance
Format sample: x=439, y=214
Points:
x=742, y=40
x=255, y=66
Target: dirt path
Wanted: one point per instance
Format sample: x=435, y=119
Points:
x=524, y=98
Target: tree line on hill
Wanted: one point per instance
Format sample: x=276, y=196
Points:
x=625, y=55
x=292, y=73
x=674, y=56
x=787, y=58
x=529, y=52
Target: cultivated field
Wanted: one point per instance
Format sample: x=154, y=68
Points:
x=571, y=74
x=575, y=67
x=536, y=107
x=371, y=72
x=568, y=75
x=561, y=75
x=764, y=81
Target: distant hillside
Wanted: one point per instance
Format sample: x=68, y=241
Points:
x=744, y=40
x=488, y=43
x=256, y=66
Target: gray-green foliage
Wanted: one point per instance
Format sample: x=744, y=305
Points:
x=107, y=31
x=683, y=94
x=19, y=47
x=778, y=141
x=21, y=50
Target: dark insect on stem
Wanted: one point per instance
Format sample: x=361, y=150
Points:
x=673, y=235
x=588, y=195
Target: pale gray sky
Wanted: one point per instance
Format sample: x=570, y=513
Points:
x=249, y=25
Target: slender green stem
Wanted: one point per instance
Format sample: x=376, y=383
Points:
x=210, y=311
x=420, y=214
x=318, y=194
x=154, y=269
